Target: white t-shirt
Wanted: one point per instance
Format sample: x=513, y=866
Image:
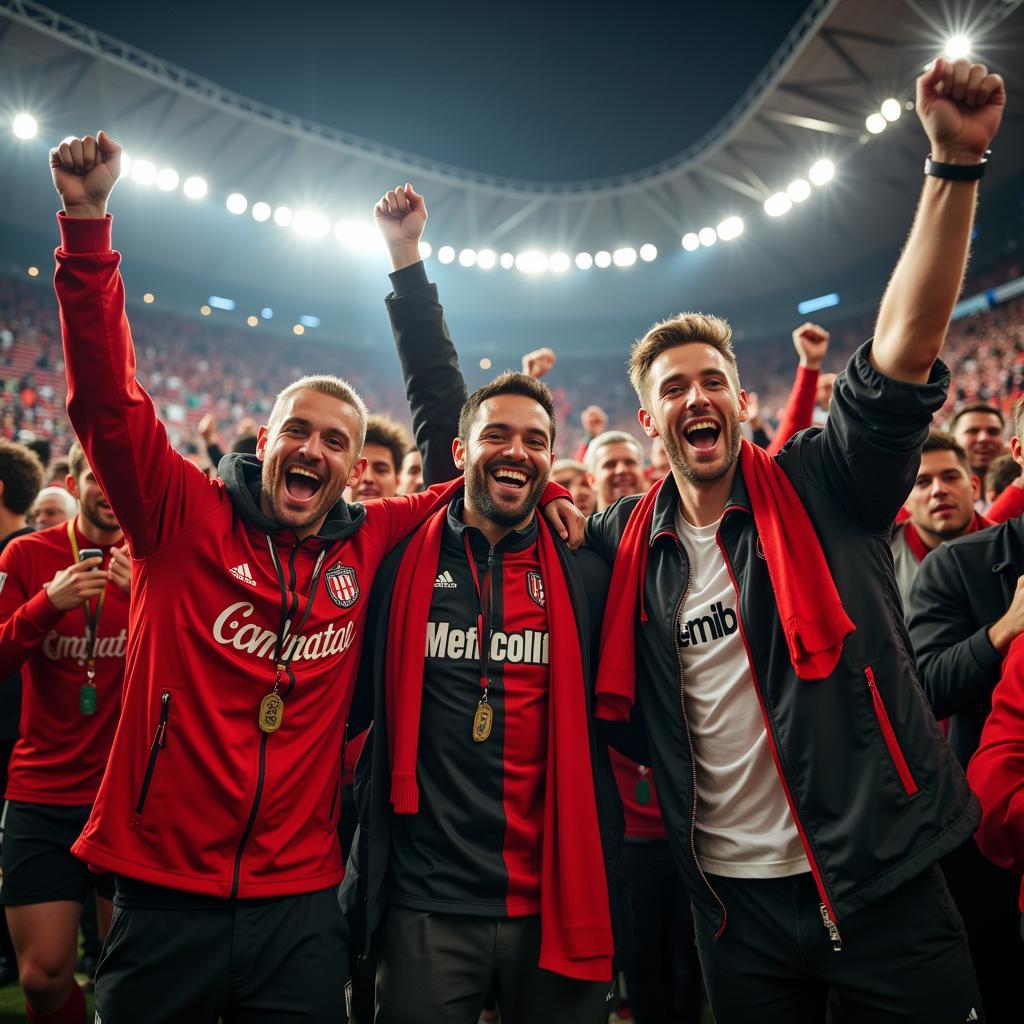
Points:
x=744, y=828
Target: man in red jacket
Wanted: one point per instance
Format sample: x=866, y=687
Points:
x=64, y=624
x=219, y=808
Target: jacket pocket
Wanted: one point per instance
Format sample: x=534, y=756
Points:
x=892, y=744
x=159, y=742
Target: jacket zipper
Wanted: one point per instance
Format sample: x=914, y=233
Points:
x=262, y=770
x=159, y=742
x=689, y=738
x=910, y=787
x=825, y=908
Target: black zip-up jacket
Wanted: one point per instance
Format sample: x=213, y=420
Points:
x=961, y=589
x=434, y=381
x=876, y=794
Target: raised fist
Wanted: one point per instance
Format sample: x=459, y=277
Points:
x=120, y=567
x=401, y=215
x=538, y=362
x=594, y=420
x=811, y=344
x=84, y=173
x=960, y=105
x=207, y=428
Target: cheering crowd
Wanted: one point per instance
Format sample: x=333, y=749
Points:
x=364, y=727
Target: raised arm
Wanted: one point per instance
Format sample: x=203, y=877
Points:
x=811, y=344
x=960, y=105
x=430, y=365
x=152, y=490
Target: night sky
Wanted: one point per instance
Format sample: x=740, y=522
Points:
x=546, y=91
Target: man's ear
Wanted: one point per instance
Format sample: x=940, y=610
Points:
x=71, y=486
x=744, y=415
x=1017, y=450
x=459, y=454
x=262, y=436
x=356, y=473
x=647, y=424
x=975, y=488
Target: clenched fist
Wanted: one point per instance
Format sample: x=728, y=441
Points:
x=84, y=173
x=960, y=105
x=811, y=344
x=538, y=362
x=401, y=215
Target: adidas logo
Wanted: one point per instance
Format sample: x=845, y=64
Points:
x=444, y=581
x=242, y=574
x=973, y=1015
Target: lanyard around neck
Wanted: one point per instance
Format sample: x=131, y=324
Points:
x=483, y=617
x=92, y=621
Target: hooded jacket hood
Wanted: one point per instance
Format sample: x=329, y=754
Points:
x=243, y=477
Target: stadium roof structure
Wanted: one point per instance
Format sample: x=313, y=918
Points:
x=839, y=63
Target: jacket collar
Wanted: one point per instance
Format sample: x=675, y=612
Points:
x=242, y=476
x=667, y=502
x=514, y=540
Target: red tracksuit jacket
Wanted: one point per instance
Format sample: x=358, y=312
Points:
x=195, y=796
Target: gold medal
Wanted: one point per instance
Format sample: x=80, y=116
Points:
x=482, y=722
x=272, y=712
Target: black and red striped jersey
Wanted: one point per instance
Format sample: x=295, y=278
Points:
x=474, y=847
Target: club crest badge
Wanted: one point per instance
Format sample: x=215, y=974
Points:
x=342, y=585
x=535, y=587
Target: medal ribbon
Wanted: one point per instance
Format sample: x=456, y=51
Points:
x=483, y=617
x=92, y=621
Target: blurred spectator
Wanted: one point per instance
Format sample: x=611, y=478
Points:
x=1001, y=473
x=573, y=476
x=53, y=505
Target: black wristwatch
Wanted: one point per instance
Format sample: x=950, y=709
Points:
x=956, y=172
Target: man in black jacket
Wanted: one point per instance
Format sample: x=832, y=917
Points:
x=966, y=608
x=807, y=808
x=464, y=886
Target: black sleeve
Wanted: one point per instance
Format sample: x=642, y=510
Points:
x=868, y=453
x=214, y=453
x=956, y=661
x=430, y=369
x=760, y=437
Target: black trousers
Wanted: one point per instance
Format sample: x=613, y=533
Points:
x=904, y=959
x=274, y=961
x=663, y=980
x=438, y=968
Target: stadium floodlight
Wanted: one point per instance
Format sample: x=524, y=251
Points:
x=467, y=258
x=603, y=259
x=532, y=261
x=126, y=164
x=252, y=321
x=584, y=261
x=624, y=257
x=507, y=261
x=298, y=330
x=358, y=234
x=707, y=236
x=798, y=190
x=261, y=211
x=730, y=228
x=648, y=252
x=312, y=225
x=24, y=126
x=485, y=363
x=446, y=254
x=237, y=203
x=778, y=204
x=196, y=188
x=143, y=172
x=283, y=216
x=167, y=179
x=486, y=259
x=149, y=298
x=822, y=172
x=205, y=310
x=956, y=47
x=691, y=243
x=875, y=123
x=425, y=250
x=560, y=262
x=33, y=271
x=891, y=109
x=267, y=313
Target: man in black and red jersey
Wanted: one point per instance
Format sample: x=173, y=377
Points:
x=754, y=621
x=64, y=624
x=490, y=824
x=218, y=810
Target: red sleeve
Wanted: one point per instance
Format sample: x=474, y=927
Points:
x=25, y=618
x=581, y=452
x=153, y=491
x=996, y=772
x=799, y=409
x=1008, y=505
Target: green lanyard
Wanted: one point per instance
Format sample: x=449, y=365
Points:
x=87, y=695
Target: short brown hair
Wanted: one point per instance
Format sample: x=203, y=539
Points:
x=511, y=382
x=940, y=441
x=22, y=476
x=1001, y=473
x=77, y=462
x=325, y=384
x=682, y=329
x=984, y=407
x=388, y=434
